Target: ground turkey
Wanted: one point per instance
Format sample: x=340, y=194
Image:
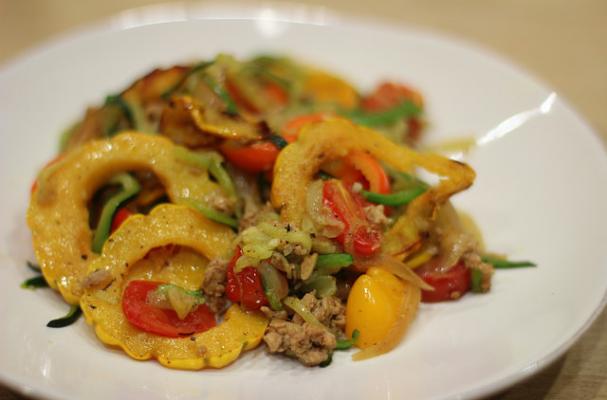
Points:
x=214, y=283
x=310, y=344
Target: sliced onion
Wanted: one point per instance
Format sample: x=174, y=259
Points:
x=454, y=241
x=299, y=307
x=397, y=268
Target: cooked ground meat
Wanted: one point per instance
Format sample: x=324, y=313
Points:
x=214, y=283
x=330, y=311
x=308, y=343
x=268, y=312
x=296, y=338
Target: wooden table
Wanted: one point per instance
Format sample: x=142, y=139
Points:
x=562, y=42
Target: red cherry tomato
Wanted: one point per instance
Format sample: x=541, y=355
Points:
x=359, y=236
x=390, y=94
x=275, y=92
x=371, y=169
x=245, y=287
x=347, y=173
x=290, y=131
x=159, y=321
x=257, y=157
x=121, y=215
x=448, y=285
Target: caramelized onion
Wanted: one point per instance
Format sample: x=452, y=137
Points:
x=397, y=268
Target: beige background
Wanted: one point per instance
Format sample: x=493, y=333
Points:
x=564, y=43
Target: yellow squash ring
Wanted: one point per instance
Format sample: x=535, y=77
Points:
x=334, y=138
x=58, y=213
x=166, y=224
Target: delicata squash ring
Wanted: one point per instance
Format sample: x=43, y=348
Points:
x=334, y=138
x=58, y=215
x=166, y=224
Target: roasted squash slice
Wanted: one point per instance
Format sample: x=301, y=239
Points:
x=334, y=138
x=122, y=260
x=58, y=215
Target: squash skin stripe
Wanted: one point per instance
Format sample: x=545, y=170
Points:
x=58, y=214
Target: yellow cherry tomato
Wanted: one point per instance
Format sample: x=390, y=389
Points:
x=373, y=306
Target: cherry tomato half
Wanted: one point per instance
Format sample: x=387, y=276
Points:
x=159, y=321
x=275, y=92
x=121, y=215
x=359, y=236
x=290, y=131
x=448, y=285
x=245, y=287
x=257, y=157
x=371, y=169
x=390, y=94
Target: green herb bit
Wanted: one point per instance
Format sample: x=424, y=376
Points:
x=34, y=283
x=394, y=199
x=162, y=289
x=345, y=344
x=406, y=109
x=476, y=280
x=502, y=263
x=71, y=317
x=210, y=213
x=327, y=362
x=129, y=188
x=33, y=267
x=231, y=107
x=278, y=141
x=329, y=264
x=324, y=176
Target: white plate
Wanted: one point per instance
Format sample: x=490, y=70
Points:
x=540, y=195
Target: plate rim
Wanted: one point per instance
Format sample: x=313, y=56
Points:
x=312, y=15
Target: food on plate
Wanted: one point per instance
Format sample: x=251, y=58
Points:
x=210, y=207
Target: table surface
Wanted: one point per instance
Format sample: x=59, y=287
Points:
x=561, y=42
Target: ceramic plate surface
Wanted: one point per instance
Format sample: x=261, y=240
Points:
x=540, y=194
